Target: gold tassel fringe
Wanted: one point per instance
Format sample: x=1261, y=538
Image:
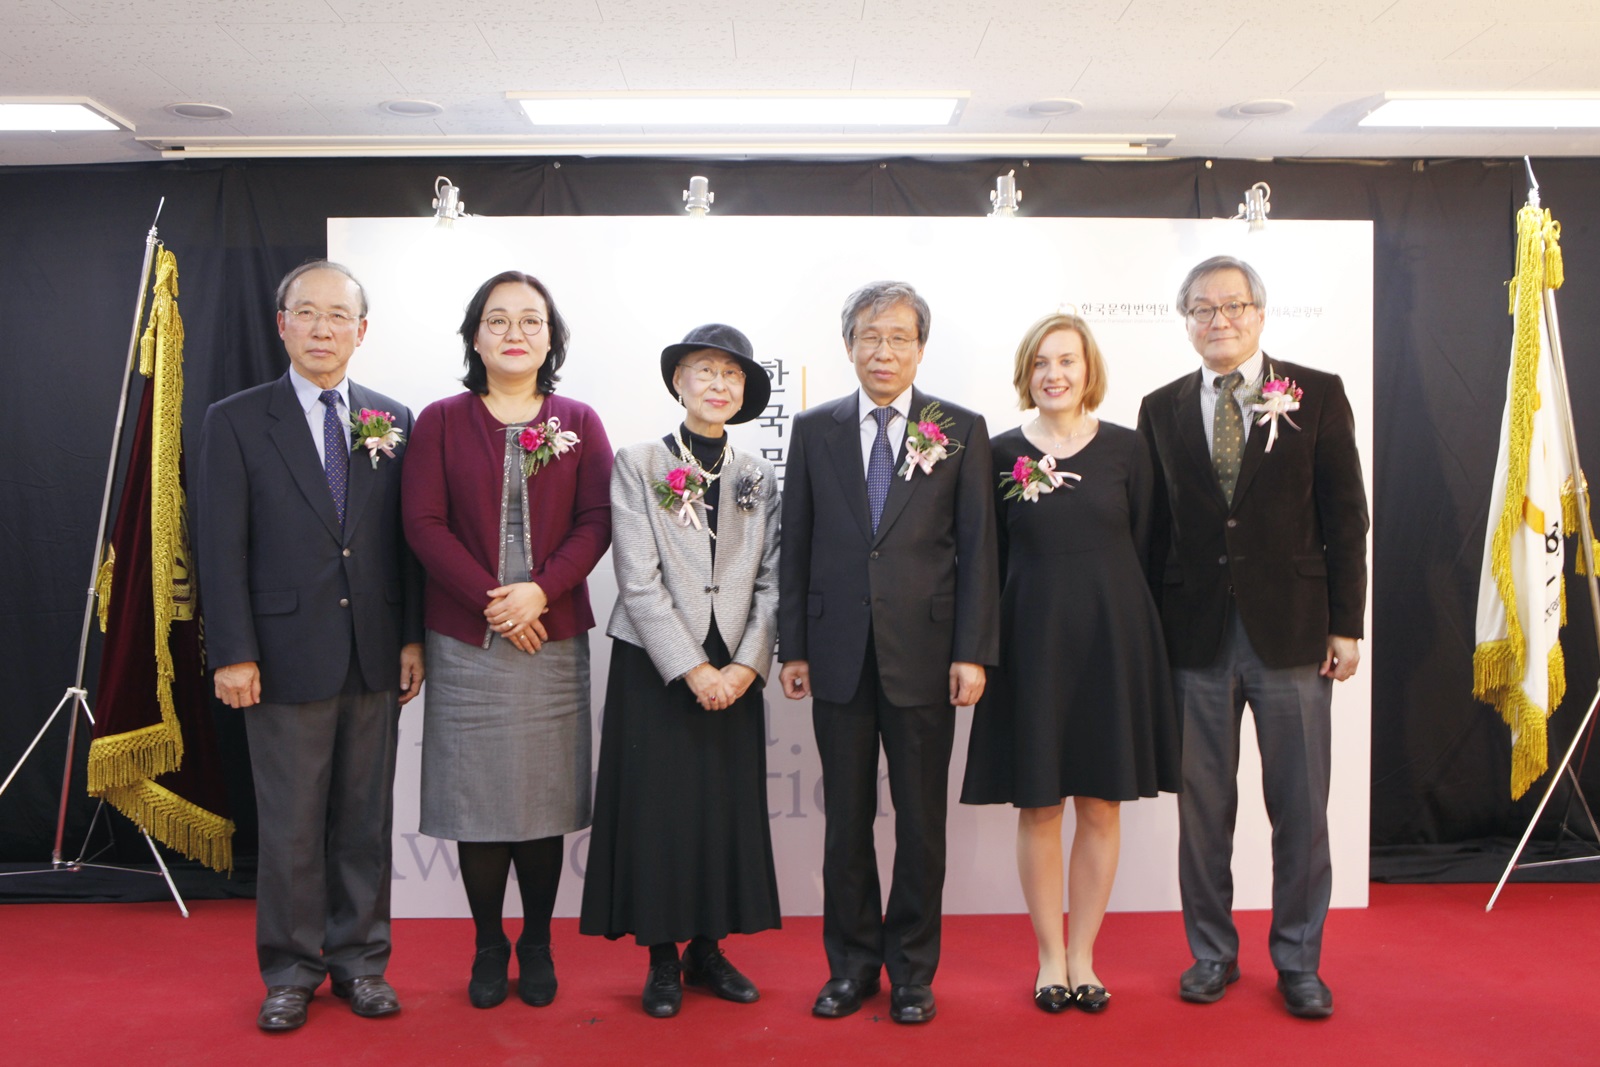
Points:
x=177, y=823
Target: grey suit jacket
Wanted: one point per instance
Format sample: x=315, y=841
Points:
x=667, y=582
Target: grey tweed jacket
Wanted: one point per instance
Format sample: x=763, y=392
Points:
x=667, y=584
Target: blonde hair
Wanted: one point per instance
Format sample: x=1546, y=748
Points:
x=1094, y=364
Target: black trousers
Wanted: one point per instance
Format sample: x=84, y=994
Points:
x=857, y=933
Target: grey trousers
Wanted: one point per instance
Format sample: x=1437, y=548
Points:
x=324, y=776
x=1293, y=727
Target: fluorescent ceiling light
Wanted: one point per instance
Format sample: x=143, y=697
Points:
x=769, y=109
x=709, y=146
x=51, y=118
x=1500, y=112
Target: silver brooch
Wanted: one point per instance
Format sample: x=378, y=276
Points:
x=748, y=490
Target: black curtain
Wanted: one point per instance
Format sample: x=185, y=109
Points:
x=72, y=239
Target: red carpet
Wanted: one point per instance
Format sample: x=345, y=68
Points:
x=1421, y=977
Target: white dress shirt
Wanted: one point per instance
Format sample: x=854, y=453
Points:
x=309, y=394
x=869, y=424
x=1251, y=369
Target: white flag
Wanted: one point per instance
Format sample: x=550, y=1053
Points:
x=1517, y=665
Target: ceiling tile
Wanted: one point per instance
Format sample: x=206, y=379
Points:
x=606, y=42
x=183, y=12
x=561, y=75
x=809, y=73
x=931, y=42
x=464, y=10
x=335, y=43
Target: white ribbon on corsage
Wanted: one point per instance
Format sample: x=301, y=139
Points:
x=1273, y=406
x=384, y=444
x=560, y=441
x=685, y=511
x=1046, y=465
x=921, y=459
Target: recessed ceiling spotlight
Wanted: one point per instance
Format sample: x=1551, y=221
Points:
x=1260, y=109
x=412, y=109
x=1055, y=106
x=198, y=111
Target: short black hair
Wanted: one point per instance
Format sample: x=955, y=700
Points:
x=477, y=377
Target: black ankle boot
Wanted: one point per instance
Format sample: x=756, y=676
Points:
x=536, y=974
x=488, y=986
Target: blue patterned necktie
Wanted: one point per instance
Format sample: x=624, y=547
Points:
x=878, y=476
x=335, y=451
x=1227, y=434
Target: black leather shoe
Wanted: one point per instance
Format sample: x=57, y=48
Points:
x=284, y=1008
x=1091, y=998
x=843, y=996
x=1207, y=980
x=911, y=1004
x=369, y=995
x=1305, y=995
x=1054, y=999
x=710, y=969
x=536, y=974
x=488, y=985
x=663, y=990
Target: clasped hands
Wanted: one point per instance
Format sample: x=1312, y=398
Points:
x=717, y=689
x=514, y=612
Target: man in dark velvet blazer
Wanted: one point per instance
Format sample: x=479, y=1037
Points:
x=314, y=620
x=888, y=612
x=1261, y=556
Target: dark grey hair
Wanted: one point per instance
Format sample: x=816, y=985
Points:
x=320, y=264
x=1258, y=288
x=881, y=295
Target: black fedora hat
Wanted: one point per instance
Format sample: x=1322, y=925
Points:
x=757, y=382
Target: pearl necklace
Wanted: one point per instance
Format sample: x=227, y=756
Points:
x=688, y=457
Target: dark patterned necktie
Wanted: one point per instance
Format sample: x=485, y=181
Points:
x=1227, y=434
x=335, y=451
x=878, y=475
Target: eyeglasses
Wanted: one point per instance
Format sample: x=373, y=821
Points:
x=1204, y=313
x=871, y=342
x=307, y=317
x=500, y=325
x=705, y=374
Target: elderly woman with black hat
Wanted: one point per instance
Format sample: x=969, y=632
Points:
x=681, y=849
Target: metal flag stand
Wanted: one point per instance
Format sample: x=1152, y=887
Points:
x=1586, y=527
x=76, y=698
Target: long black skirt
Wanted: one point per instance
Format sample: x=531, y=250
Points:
x=681, y=845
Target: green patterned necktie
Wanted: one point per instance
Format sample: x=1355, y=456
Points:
x=1227, y=434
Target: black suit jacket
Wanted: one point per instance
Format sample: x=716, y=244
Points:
x=283, y=585
x=1290, y=551
x=926, y=586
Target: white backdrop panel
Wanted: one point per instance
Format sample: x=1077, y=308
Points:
x=630, y=286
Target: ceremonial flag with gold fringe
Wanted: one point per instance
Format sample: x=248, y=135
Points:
x=1517, y=665
x=154, y=755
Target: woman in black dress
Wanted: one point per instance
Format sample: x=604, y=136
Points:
x=1082, y=705
x=681, y=849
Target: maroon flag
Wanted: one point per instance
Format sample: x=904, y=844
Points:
x=154, y=755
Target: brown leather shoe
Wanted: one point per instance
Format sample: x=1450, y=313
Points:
x=284, y=1008
x=369, y=995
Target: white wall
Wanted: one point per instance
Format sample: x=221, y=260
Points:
x=630, y=286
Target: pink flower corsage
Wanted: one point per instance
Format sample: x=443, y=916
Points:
x=1030, y=477
x=683, y=490
x=543, y=443
x=376, y=431
x=1279, y=396
x=926, y=441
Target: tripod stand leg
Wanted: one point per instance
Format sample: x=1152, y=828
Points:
x=177, y=898
x=37, y=737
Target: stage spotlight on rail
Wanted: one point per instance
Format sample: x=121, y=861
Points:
x=447, y=205
x=1005, y=196
x=698, y=197
x=1257, y=202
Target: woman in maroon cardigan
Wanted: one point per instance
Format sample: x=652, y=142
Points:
x=507, y=505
